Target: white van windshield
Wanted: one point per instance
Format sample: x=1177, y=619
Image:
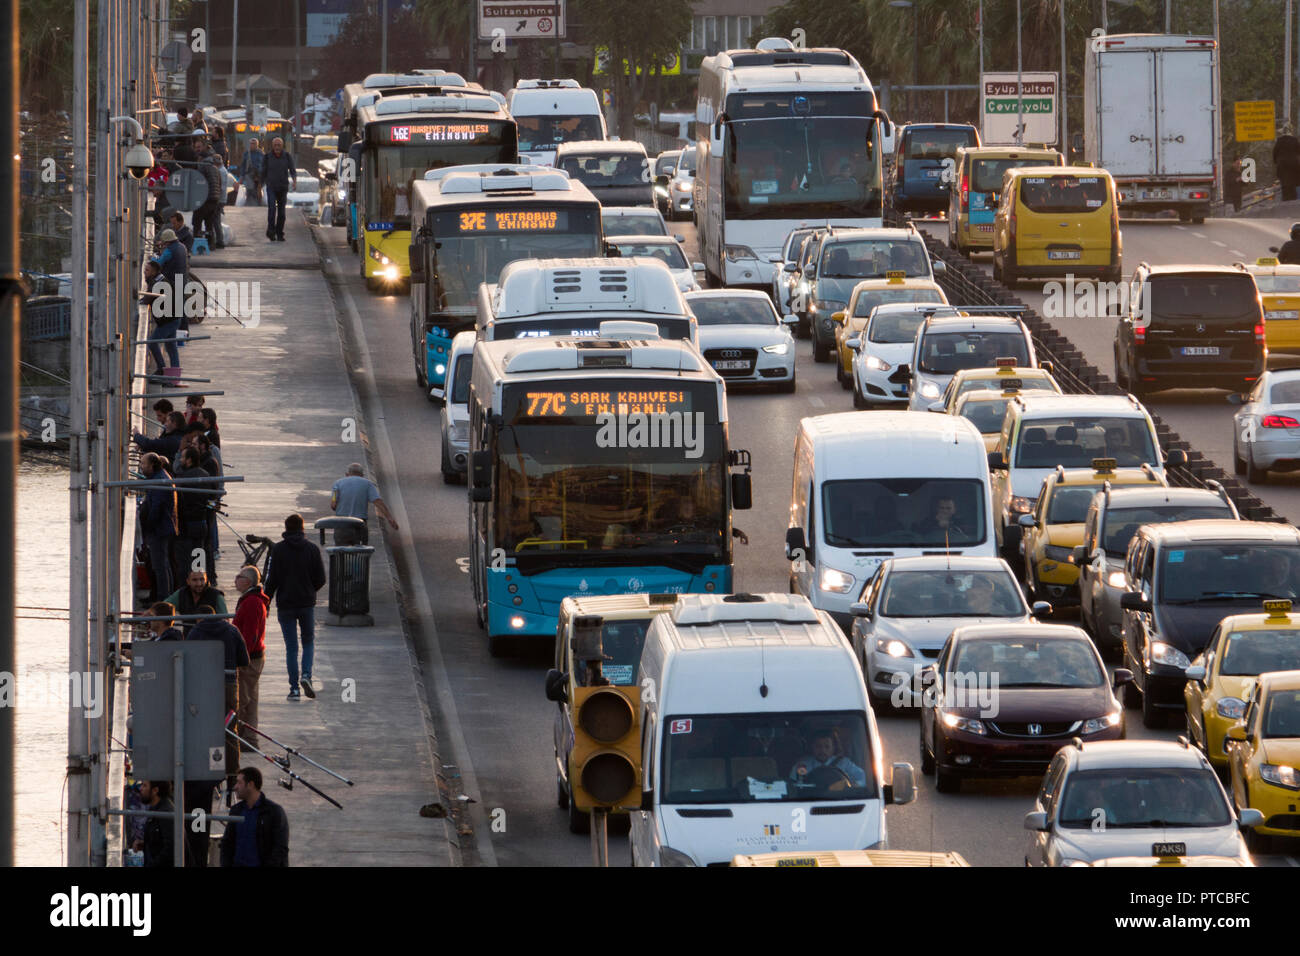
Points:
x=904, y=512
x=782, y=758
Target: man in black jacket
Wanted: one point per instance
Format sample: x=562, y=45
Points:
x=158, y=842
x=166, y=444
x=295, y=574
x=195, y=515
x=158, y=524
x=1289, y=254
x=1286, y=160
x=279, y=172
x=261, y=838
x=205, y=217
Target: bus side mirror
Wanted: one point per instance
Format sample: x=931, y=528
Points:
x=742, y=492
x=997, y=461
x=555, y=686
x=480, y=474
x=417, y=263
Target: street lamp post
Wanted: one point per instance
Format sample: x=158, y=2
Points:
x=916, y=49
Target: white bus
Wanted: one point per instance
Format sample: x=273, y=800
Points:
x=551, y=112
x=786, y=138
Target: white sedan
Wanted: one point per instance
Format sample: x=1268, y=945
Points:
x=668, y=251
x=743, y=338
x=883, y=352
x=1266, y=432
x=308, y=192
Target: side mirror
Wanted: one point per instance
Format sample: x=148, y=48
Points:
x=928, y=675
x=860, y=609
x=647, y=800
x=1272, y=248
x=417, y=263
x=1135, y=601
x=1036, y=821
x=1047, y=367
x=789, y=320
x=1027, y=521
x=1195, y=672
x=555, y=686
x=790, y=267
x=997, y=461
x=742, y=492
x=940, y=267
x=903, y=788
x=1176, y=458
x=795, y=542
x=1237, y=398
x=1237, y=732
x=480, y=474
x=1079, y=555
x=1041, y=609
x=837, y=317
x=679, y=237
x=1250, y=817
x=854, y=343
x=1121, y=676
x=697, y=266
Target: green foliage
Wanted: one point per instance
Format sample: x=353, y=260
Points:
x=452, y=24
x=355, y=51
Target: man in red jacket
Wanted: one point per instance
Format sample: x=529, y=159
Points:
x=250, y=620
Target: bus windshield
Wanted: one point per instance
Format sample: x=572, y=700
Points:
x=389, y=170
x=471, y=245
x=798, y=167
x=545, y=132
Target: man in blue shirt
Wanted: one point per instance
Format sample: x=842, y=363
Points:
x=351, y=497
x=824, y=755
x=261, y=837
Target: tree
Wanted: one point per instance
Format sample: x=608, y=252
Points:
x=355, y=52
x=452, y=23
x=623, y=29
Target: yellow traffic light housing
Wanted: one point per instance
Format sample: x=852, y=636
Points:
x=605, y=763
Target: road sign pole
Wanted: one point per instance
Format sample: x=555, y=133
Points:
x=474, y=28
x=1020, y=85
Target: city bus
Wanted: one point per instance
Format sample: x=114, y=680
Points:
x=785, y=138
x=597, y=466
x=469, y=222
x=403, y=138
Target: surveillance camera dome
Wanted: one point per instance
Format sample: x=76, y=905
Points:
x=139, y=160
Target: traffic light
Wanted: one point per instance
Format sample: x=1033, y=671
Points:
x=605, y=763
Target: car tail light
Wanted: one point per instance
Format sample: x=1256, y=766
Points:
x=1139, y=335
x=965, y=194
x=1011, y=226
x=1279, y=421
x=1259, y=333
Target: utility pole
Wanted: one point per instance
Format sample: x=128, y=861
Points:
x=473, y=40
x=1020, y=84
x=11, y=312
x=1169, y=15
x=1065, y=103
x=207, y=51
x=1286, y=68
x=234, y=51
x=297, y=61
x=383, y=33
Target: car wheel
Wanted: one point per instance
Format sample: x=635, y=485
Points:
x=449, y=477
x=561, y=793
x=945, y=781
x=1238, y=463
x=787, y=387
x=997, y=268
x=579, y=822
x=859, y=402
x=1254, y=474
x=839, y=373
x=927, y=758
x=821, y=353
x=1132, y=696
x=498, y=645
x=1152, y=718
x=1010, y=278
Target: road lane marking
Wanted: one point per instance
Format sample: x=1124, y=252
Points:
x=1199, y=235
x=1221, y=245
x=1237, y=252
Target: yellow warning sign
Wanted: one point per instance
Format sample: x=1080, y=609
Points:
x=1256, y=120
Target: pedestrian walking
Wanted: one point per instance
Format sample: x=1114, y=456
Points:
x=1286, y=160
x=250, y=619
x=280, y=173
x=236, y=659
x=159, y=524
x=219, y=145
x=295, y=574
x=158, y=842
x=217, y=230
x=261, y=837
x=351, y=497
x=169, y=442
x=252, y=168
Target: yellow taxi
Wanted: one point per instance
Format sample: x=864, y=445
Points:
x=1243, y=647
x=1279, y=291
x=851, y=858
x=973, y=203
x=1055, y=527
x=985, y=408
x=1264, y=755
x=897, y=286
x=1004, y=377
x=1173, y=861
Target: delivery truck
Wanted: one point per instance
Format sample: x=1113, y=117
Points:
x=1151, y=118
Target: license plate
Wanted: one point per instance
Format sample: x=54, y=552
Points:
x=1168, y=849
x=1282, y=315
x=731, y=365
x=1156, y=194
x=931, y=173
x=1064, y=254
x=985, y=227
x=1201, y=350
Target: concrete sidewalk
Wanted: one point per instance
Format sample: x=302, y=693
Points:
x=290, y=425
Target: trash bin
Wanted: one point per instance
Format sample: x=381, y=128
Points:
x=349, y=574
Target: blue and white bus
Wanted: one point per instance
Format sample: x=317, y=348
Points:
x=468, y=223
x=786, y=138
x=567, y=497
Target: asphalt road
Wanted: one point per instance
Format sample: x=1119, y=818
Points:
x=503, y=715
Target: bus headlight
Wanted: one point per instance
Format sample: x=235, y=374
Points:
x=517, y=622
x=440, y=369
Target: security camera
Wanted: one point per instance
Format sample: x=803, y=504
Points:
x=139, y=160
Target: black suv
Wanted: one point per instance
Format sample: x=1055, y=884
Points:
x=1182, y=579
x=1190, y=327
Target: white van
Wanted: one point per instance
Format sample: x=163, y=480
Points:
x=551, y=112
x=869, y=486
x=757, y=736
x=454, y=416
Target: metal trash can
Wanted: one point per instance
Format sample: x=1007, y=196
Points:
x=349, y=574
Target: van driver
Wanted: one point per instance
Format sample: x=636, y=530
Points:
x=823, y=755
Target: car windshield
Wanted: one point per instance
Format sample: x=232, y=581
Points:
x=1251, y=653
x=1076, y=440
x=770, y=757
x=666, y=164
x=1122, y=523
x=948, y=352
x=794, y=241
x=986, y=174
x=1285, y=393
x=872, y=258
x=1028, y=383
x=1188, y=298
x=621, y=642
x=943, y=593
x=607, y=169
x=545, y=132
x=986, y=416
x=1063, y=194
x=650, y=224
x=1282, y=714
x=686, y=165
x=1030, y=662
x=668, y=253
x=1070, y=503
x=913, y=512
x=868, y=299
x=1215, y=572
x=1146, y=797
x=1277, y=285
x=733, y=311
x=889, y=327
x=936, y=143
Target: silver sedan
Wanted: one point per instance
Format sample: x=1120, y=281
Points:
x=1266, y=431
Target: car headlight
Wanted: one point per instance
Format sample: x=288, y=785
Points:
x=391, y=273
x=1234, y=708
x=1280, y=775
x=343, y=194
x=1054, y=553
x=1098, y=724
x=968, y=724
x=835, y=581
x=735, y=253
x=1116, y=579
x=829, y=306
x=670, y=857
x=893, y=648
x=1167, y=654
x=930, y=390
x=1021, y=506
x=879, y=364
x=459, y=432
x=779, y=349
x=682, y=187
